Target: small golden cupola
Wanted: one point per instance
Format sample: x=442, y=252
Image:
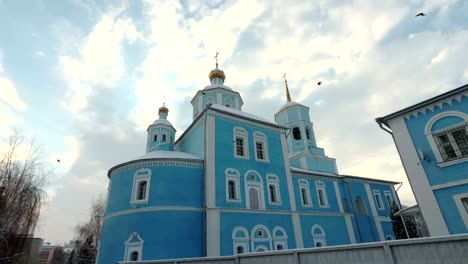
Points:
x=216, y=75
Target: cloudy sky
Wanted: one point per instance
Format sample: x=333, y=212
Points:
x=85, y=78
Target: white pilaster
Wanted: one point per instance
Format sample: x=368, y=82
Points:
x=374, y=212
x=418, y=179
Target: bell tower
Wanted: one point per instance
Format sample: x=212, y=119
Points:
x=161, y=133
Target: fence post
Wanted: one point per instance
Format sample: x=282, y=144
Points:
x=237, y=259
x=388, y=253
x=296, y=257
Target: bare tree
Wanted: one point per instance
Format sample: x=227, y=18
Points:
x=93, y=226
x=22, y=177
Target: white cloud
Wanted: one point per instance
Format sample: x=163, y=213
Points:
x=9, y=94
x=439, y=57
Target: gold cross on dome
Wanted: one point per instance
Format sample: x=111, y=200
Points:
x=216, y=57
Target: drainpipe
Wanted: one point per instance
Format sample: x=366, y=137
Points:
x=354, y=210
x=381, y=123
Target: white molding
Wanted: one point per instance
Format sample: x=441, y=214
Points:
x=133, y=246
x=275, y=183
x=213, y=232
x=277, y=212
x=270, y=126
x=378, y=197
x=322, y=238
x=452, y=162
x=137, y=178
x=261, y=247
x=338, y=196
x=431, y=122
x=370, y=198
x=349, y=227
x=320, y=185
x=268, y=237
x=304, y=184
x=449, y=184
x=461, y=208
x=263, y=139
x=430, y=107
x=210, y=179
x=303, y=161
x=418, y=179
x=257, y=185
x=152, y=209
x=240, y=132
x=389, y=194
x=240, y=241
x=158, y=162
x=233, y=174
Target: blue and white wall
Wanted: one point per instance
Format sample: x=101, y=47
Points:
x=439, y=181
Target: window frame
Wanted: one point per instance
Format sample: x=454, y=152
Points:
x=304, y=185
x=233, y=175
x=261, y=138
x=378, y=199
x=273, y=180
x=433, y=141
x=319, y=238
x=389, y=198
x=138, y=177
x=240, y=241
x=241, y=133
x=462, y=208
x=298, y=134
x=258, y=186
x=320, y=186
x=135, y=246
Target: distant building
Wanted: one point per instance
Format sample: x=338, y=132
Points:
x=234, y=183
x=414, y=213
x=432, y=140
x=47, y=253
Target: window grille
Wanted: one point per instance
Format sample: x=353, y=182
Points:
x=453, y=142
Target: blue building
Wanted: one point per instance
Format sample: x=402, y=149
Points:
x=432, y=140
x=234, y=183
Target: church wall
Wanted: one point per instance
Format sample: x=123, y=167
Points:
x=451, y=212
x=318, y=164
x=382, y=189
x=293, y=113
x=165, y=234
x=304, y=113
x=249, y=220
x=330, y=193
x=416, y=128
x=388, y=230
x=225, y=159
x=168, y=186
x=334, y=227
x=194, y=141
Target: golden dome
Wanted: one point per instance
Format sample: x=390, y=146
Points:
x=163, y=109
x=217, y=73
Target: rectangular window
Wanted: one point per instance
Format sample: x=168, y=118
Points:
x=259, y=150
x=273, y=195
x=378, y=200
x=465, y=203
x=232, y=192
x=452, y=143
x=322, y=198
x=239, y=146
x=388, y=196
x=305, y=197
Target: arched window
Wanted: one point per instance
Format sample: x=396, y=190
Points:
x=241, y=144
x=142, y=190
x=296, y=133
x=155, y=137
x=254, y=190
x=240, y=240
x=447, y=134
x=261, y=147
x=280, y=239
x=141, y=186
x=232, y=185
x=133, y=247
x=134, y=256
x=319, y=236
x=261, y=238
x=321, y=194
x=273, y=189
x=305, y=193
x=308, y=132
x=361, y=207
x=164, y=136
x=389, y=237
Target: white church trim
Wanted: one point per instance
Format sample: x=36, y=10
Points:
x=133, y=248
x=254, y=187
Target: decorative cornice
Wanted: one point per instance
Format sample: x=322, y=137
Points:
x=431, y=107
x=196, y=164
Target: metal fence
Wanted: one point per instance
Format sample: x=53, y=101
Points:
x=447, y=249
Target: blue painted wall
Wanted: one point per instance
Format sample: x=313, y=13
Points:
x=449, y=209
x=194, y=141
x=333, y=226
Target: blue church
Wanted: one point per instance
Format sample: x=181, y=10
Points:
x=432, y=140
x=235, y=183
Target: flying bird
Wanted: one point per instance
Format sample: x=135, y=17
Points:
x=420, y=14
x=319, y=83
x=58, y=160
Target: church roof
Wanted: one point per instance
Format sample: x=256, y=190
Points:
x=290, y=104
x=241, y=113
x=162, y=121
